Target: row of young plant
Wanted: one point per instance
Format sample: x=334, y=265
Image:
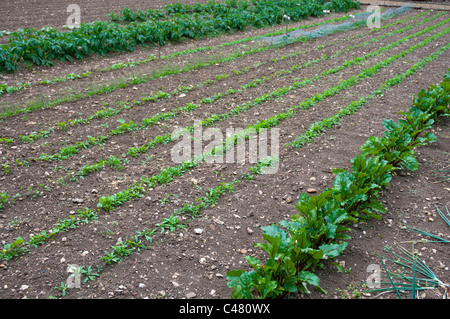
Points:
x=5, y=88
x=165, y=71
x=297, y=247
x=320, y=229
x=159, y=95
x=135, y=151
x=167, y=175
x=44, y=46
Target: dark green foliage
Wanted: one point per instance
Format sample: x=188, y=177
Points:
x=171, y=24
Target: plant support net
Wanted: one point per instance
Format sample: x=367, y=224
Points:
x=353, y=22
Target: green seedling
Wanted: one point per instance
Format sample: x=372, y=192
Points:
x=172, y=223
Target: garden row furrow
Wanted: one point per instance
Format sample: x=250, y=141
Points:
x=117, y=162
x=135, y=191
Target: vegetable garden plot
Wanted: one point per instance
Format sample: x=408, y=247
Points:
x=92, y=142
x=64, y=122
x=138, y=202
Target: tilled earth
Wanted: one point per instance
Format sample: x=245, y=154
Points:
x=193, y=262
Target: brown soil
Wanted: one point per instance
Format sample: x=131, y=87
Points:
x=187, y=264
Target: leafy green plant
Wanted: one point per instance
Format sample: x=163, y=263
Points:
x=88, y=273
x=5, y=88
x=40, y=238
x=111, y=257
x=127, y=247
x=36, y=135
x=6, y=168
x=344, y=5
x=122, y=249
x=166, y=199
x=114, y=162
x=357, y=192
x=7, y=141
x=62, y=125
x=86, y=216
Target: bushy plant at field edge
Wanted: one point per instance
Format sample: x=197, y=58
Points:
x=296, y=247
